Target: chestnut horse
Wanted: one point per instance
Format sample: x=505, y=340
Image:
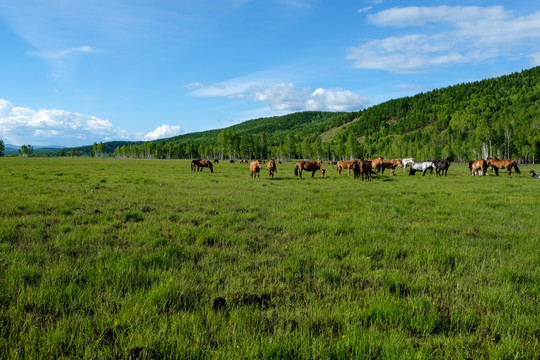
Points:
x=477, y=165
x=345, y=165
x=377, y=164
x=254, y=168
x=271, y=166
x=499, y=164
x=200, y=164
x=390, y=164
x=308, y=166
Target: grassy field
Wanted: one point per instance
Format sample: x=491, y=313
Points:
x=105, y=258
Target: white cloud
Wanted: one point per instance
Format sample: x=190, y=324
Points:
x=193, y=86
x=63, y=53
x=47, y=126
x=162, y=131
x=365, y=9
x=416, y=16
x=471, y=34
x=285, y=96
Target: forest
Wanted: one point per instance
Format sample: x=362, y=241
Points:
x=497, y=117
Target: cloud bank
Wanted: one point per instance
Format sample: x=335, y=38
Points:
x=285, y=96
x=163, y=131
x=20, y=125
x=464, y=34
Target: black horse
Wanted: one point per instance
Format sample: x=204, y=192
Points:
x=441, y=166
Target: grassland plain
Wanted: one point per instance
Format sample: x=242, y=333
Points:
x=107, y=258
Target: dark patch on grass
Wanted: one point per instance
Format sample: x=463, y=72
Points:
x=11, y=236
x=132, y=216
x=262, y=301
x=377, y=255
x=397, y=287
x=65, y=212
x=219, y=304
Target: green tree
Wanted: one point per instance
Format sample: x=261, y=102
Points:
x=2, y=147
x=26, y=151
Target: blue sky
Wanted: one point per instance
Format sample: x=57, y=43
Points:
x=76, y=71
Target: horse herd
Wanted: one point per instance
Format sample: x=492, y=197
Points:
x=365, y=168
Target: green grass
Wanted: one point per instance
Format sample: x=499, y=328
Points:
x=103, y=258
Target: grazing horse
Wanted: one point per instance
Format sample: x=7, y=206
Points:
x=477, y=165
x=254, y=168
x=216, y=161
x=390, y=164
x=407, y=162
x=441, y=166
x=345, y=165
x=200, y=164
x=423, y=167
x=499, y=164
x=308, y=166
x=271, y=166
x=244, y=161
x=534, y=175
x=377, y=164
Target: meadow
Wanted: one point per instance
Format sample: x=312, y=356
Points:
x=121, y=258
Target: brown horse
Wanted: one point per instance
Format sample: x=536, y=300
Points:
x=308, y=166
x=254, y=168
x=198, y=165
x=355, y=167
x=477, y=165
x=390, y=164
x=271, y=166
x=244, y=161
x=345, y=165
x=507, y=164
x=366, y=168
x=376, y=164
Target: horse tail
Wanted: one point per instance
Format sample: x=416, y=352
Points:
x=296, y=170
x=516, y=168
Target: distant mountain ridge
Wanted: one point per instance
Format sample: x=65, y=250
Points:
x=13, y=149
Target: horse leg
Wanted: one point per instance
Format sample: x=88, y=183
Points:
x=496, y=170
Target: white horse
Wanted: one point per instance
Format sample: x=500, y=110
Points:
x=407, y=161
x=423, y=166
